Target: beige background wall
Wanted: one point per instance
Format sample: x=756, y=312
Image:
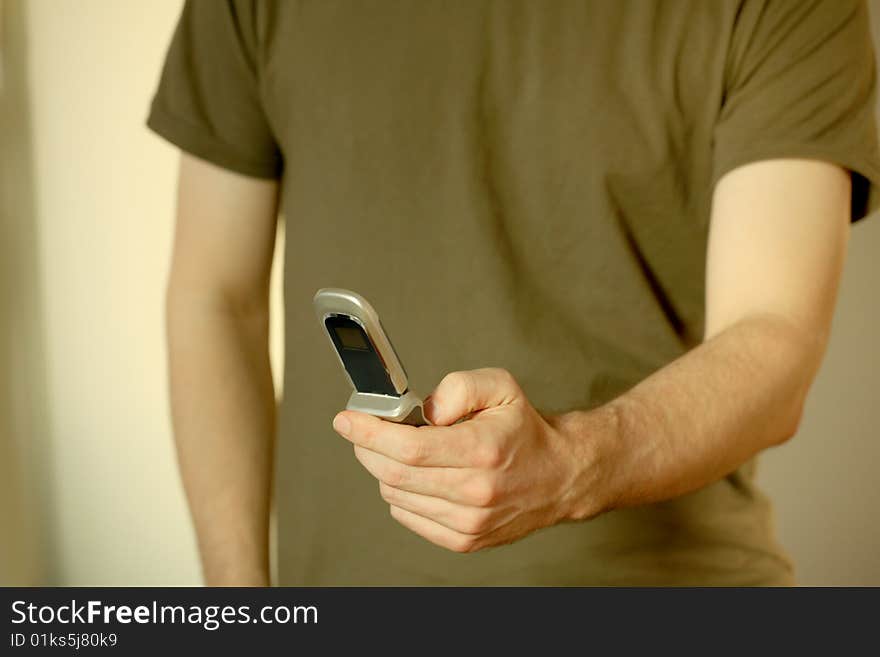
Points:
x=101, y=213
x=88, y=487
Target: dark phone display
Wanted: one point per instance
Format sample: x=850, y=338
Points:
x=359, y=356
x=352, y=338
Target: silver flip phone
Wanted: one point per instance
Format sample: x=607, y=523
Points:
x=367, y=357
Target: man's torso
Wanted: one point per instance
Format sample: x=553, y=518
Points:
x=516, y=184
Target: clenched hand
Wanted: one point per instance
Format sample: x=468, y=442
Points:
x=502, y=473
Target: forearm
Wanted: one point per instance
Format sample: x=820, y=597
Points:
x=223, y=410
x=697, y=419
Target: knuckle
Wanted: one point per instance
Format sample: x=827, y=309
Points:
x=394, y=475
x=387, y=492
x=490, y=455
x=452, y=378
x=463, y=544
x=505, y=377
x=482, y=493
x=458, y=384
x=475, y=522
x=413, y=451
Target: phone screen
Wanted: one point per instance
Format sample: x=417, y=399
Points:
x=359, y=356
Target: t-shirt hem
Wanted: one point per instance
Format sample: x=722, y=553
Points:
x=865, y=167
x=199, y=142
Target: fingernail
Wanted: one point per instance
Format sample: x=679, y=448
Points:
x=341, y=424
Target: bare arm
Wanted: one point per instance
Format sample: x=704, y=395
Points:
x=222, y=397
x=777, y=243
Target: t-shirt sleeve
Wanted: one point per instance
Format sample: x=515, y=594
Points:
x=208, y=101
x=801, y=83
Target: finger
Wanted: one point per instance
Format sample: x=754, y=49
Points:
x=427, y=446
x=458, y=517
x=435, y=532
x=447, y=483
x=462, y=393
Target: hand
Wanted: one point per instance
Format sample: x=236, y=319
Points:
x=501, y=474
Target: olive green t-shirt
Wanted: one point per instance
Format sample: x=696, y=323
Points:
x=521, y=184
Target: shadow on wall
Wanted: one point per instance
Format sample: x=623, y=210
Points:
x=25, y=502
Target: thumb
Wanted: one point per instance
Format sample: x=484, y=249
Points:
x=461, y=393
